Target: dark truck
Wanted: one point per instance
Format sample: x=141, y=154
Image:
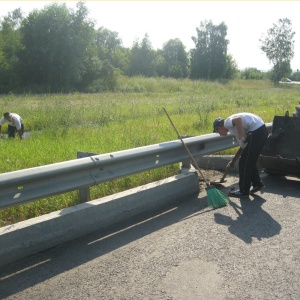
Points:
x=281, y=153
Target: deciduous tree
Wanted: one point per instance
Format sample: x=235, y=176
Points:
x=142, y=58
x=109, y=47
x=208, y=58
x=175, y=59
x=10, y=46
x=58, y=46
x=278, y=46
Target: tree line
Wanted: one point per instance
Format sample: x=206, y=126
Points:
x=57, y=49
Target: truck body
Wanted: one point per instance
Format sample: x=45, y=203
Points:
x=281, y=152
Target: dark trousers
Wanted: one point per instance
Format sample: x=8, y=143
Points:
x=11, y=130
x=248, y=172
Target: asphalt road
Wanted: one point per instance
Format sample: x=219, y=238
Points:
x=247, y=250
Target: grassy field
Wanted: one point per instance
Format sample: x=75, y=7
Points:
x=131, y=117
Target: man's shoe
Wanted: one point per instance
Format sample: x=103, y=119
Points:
x=256, y=189
x=238, y=194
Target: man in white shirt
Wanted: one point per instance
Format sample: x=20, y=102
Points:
x=15, y=124
x=251, y=133
x=297, y=111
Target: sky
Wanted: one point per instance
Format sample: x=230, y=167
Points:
x=246, y=21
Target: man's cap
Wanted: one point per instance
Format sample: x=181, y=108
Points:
x=6, y=115
x=218, y=122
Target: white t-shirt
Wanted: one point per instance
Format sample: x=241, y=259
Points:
x=16, y=121
x=250, y=122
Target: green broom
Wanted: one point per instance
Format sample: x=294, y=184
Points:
x=215, y=198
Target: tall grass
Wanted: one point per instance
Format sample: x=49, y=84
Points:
x=128, y=118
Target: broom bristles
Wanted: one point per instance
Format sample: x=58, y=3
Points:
x=216, y=198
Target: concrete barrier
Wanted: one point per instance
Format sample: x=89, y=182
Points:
x=216, y=162
x=38, y=234
x=219, y=162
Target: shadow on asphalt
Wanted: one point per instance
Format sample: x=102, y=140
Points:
x=252, y=221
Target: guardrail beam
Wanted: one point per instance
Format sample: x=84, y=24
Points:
x=32, y=184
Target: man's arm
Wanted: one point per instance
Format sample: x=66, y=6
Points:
x=237, y=122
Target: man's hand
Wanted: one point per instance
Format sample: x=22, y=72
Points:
x=229, y=166
x=242, y=143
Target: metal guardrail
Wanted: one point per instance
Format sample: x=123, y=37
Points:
x=32, y=184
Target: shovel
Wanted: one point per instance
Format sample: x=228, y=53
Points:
x=232, y=163
x=229, y=166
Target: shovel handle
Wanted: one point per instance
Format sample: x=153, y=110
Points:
x=232, y=163
x=236, y=157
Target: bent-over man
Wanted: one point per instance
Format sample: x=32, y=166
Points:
x=251, y=133
x=15, y=124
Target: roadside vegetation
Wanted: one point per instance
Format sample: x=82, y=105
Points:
x=132, y=116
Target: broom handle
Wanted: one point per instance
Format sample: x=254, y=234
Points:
x=179, y=136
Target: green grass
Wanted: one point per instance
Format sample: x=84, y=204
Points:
x=128, y=118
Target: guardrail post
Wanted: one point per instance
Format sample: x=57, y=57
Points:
x=185, y=166
x=84, y=193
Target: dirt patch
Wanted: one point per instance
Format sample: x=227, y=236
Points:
x=210, y=176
